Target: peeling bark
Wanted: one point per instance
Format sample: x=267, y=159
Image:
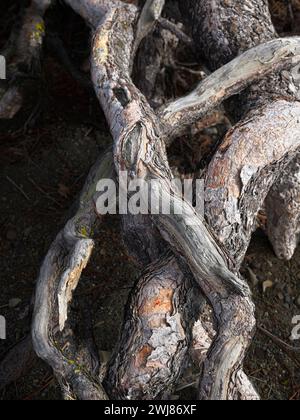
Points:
x=245, y=168
x=140, y=151
x=153, y=350
x=229, y=80
x=181, y=248
x=236, y=187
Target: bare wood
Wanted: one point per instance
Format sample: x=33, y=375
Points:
x=59, y=276
x=255, y=26
x=140, y=137
x=140, y=151
x=283, y=211
x=245, y=168
x=155, y=337
x=229, y=80
x=157, y=331
x=149, y=16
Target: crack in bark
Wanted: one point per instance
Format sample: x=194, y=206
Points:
x=149, y=367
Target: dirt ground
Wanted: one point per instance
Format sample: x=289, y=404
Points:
x=42, y=170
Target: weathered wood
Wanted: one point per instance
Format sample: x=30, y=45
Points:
x=246, y=166
x=156, y=334
x=233, y=176
x=161, y=308
x=59, y=276
x=140, y=151
x=283, y=210
x=230, y=79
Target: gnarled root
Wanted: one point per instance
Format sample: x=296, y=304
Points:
x=283, y=211
x=148, y=366
x=155, y=337
x=233, y=202
x=73, y=362
x=203, y=335
x=245, y=168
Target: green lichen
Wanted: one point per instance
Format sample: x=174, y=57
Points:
x=38, y=32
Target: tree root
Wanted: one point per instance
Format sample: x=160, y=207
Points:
x=72, y=362
x=245, y=168
x=24, y=59
x=154, y=345
x=283, y=211
x=160, y=312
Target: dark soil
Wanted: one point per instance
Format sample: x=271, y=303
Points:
x=42, y=170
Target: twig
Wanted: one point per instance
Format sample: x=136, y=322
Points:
x=41, y=190
x=172, y=27
x=49, y=382
x=278, y=341
x=18, y=188
x=149, y=16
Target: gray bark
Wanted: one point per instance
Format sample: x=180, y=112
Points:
x=181, y=248
x=224, y=30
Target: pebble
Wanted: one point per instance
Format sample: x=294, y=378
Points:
x=253, y=277
x=280, y=296
x=13, y=303
x=268, y=284
x=298, y=301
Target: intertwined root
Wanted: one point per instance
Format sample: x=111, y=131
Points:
x=185, y=253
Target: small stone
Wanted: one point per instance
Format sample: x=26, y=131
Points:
x=298, y=301
x=13, y=303
x=281, y=296
x=270, y=264
x=253, y=277
x=288, y=299
x=268, y=284
x=286, y=75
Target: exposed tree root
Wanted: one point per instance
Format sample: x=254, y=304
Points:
x=229, y=80
x=283, y=211
x=237, y=192
x=157, y=333
x=72, y=362
x=153, y=348
x=132, y=119
x=245, y=168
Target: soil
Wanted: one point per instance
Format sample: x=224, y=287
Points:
x=42, y=170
